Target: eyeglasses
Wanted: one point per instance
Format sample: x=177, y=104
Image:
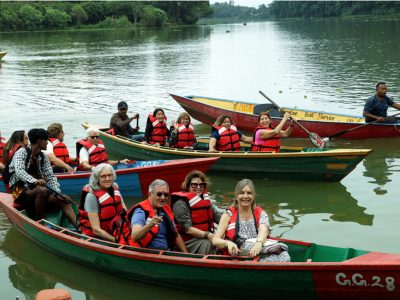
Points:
x=159, y=194
x=94, y=137
x=198, y=185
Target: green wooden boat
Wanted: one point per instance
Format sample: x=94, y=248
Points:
x=316, y=271
x=293, y=163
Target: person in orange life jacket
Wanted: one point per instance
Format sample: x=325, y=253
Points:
x=2, y=145
x=266, y=138
x=17, y=140
x=101, y=202
x=156, y=128
x=57, y=151
x=182, y=133
x=31, y=174
x=244, y=220
x=225, y=136
x=195, y=215
x=95, y=146
x=120, y=123
x=153, y=221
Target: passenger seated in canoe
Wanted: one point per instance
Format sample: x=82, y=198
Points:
x=57, y=151
x=120, y=123
x=195, y=215
x=375, y=109
x=102, y=211
x=92, y=152
x=243, y=221
x=31, y=171
x=156, y=128
x=2, y=144
x=17, y=140
x=225, y=136
x=268, y=139
x=182, y=133
x=152, y=220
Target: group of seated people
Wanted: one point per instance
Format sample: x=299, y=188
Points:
x=225, y=136
x=182, y=221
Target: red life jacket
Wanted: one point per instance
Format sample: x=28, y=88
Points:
x=200, y=210
x=60, y=150
x=271, y=144
x=2, y=144
x=233, y=226
x=110, y=213
x=149, y=213
x=185, y=136
x=97, y=154
x=159, y=132
x=229, y=139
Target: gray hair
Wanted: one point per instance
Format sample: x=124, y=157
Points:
x=95, y=176
x=92, y=130
x=240, y=186
x=157, y=183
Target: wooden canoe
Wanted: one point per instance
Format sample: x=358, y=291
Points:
x=316, y=271
x=2, y=54
x=245, y=116
x=134, y=179
x=294, y=163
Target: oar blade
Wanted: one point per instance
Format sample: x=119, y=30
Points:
x=317, y=140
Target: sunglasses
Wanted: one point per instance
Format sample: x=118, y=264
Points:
x=159, y=194
x=94, y=137
x=198, y=185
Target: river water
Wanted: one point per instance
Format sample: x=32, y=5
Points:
x=331, y=65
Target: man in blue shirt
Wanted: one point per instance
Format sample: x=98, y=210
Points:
x=375, y=108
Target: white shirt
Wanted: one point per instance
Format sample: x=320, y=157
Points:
x=83, y=155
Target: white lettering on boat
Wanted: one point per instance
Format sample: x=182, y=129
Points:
x=358, y=279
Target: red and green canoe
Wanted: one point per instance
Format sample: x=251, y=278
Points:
x=292, y=163
x=316, y=271
x=245, y=116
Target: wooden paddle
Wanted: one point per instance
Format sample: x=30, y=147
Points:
x=354, y=128
x=60, y=195
x=315, y=138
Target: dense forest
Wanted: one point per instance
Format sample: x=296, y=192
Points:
x=304, y=9
x=61, y=14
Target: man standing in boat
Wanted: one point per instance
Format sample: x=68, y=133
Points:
x=120, y=123
x=375, y=109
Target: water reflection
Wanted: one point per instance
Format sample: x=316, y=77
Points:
x=287, y=202
x=36, y=269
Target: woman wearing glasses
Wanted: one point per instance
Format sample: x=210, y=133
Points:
x=195, y=214
x=152, y=220
x=92, y=152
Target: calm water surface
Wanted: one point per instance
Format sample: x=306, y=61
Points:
x=72, y=77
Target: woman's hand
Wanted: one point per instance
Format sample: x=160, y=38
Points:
x=286, y=116
x=232, y=248
x=255, y=250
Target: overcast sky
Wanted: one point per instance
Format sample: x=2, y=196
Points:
x=251, y=3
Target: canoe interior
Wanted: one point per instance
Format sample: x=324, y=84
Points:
x=299, y=114
x=299, y=251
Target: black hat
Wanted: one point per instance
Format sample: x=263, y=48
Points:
x=122, y=104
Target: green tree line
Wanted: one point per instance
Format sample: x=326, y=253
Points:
x=62, y=14
x=318, y=9
x=304, y=9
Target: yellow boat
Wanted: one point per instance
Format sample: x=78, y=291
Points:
x=2, y=54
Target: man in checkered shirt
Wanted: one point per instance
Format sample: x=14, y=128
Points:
x=30, y=175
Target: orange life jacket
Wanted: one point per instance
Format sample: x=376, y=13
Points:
x=2, y=144
x=271, y=144
x=200, y=210
x=60, y=150
x=229, y=139
x=97, y=154
x=159, y=132
x=149, y=213
x=110, y=213
x=185, y=136
x=233, y=226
